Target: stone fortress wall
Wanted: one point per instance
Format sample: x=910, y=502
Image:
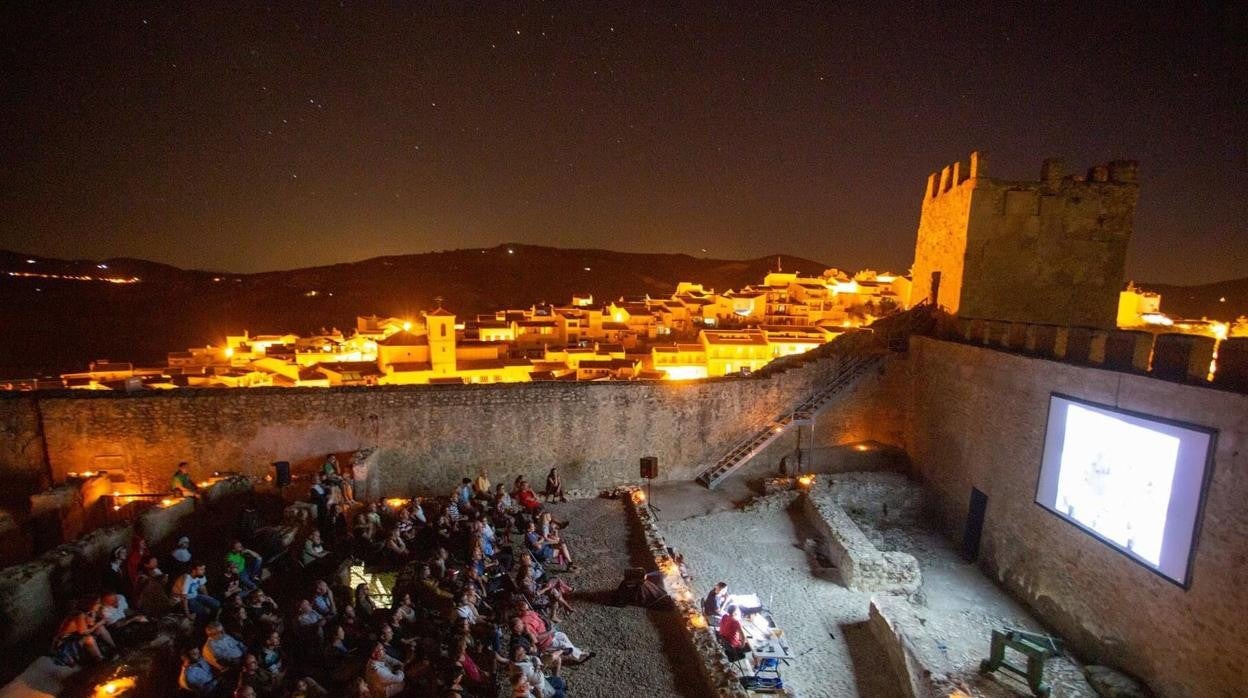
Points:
x=1046, y=251
x=428, y=436
x=976, y=417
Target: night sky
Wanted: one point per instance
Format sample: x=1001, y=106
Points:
x=260, y=138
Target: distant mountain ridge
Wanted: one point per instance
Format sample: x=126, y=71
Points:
x=61, y=325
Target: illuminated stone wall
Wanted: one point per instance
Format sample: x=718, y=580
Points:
x=1049, y=251
x=428, y=436
x=977, y=419
x=21, y=446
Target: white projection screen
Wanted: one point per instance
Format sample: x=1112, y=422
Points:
x=1135, y=482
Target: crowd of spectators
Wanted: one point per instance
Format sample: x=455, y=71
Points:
x=481, y=579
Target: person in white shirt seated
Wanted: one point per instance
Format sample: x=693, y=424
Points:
x=537, y=683
x=222, y=650
x=383, y=673
x=190, y=591
x=123, y=624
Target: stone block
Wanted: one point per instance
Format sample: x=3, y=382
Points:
x=863, y=567
x=1016, y=336
x=1232, y=373
x=1061, y=342
x=160, y=523
x=1096, y=350
x=27, y=605
x=1182, y=357
x=996, y=333
x=15, y=543
x=1041, y=340
x=1128, y=350
x=1078, y=345
x=978, y=331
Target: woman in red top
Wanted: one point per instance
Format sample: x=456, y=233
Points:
x=731, y=635
x=527, y=498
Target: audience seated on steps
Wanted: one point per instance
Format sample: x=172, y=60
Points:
x=471, y=595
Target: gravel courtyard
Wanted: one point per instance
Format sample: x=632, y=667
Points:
x=758, y=550
x=640, y=652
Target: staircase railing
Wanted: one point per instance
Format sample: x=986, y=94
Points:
x=851, y=366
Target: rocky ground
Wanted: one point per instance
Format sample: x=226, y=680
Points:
x=640, y=652
x=957, y=610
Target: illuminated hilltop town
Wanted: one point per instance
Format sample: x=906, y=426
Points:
x=694, y=333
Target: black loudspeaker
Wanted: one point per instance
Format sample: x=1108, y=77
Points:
x=649, y=467
x=283, y=472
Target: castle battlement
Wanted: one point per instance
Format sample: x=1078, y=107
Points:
x=1049, y=250
x=953, y=175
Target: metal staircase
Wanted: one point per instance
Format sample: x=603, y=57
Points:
x=851, y=367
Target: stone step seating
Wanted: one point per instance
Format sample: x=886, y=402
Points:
x=32, y=594
x=851, y=366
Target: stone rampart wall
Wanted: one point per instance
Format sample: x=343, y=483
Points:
x=428, y=437
x=21, y=445
x=977, y=419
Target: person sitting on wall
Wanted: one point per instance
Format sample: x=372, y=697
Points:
x=732, y=635
x=182, y=483
x=331, y=476
x=554, y=486
x=716, y=599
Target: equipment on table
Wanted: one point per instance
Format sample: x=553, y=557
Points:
x=1037, y=647
x=766, y=678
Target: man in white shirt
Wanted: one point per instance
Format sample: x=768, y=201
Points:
x=530, y=668
x=383, y=674
x=190, y=592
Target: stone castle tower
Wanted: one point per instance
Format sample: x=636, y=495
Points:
x=1050, y=251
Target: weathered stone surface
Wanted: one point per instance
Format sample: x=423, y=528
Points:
x=1048, y=251
x=863, y=567
x=427, y=437
x=1111, y=683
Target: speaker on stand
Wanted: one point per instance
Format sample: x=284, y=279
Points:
x=649, y=471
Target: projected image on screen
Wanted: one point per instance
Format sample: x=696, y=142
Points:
x=1131, y=481
x=1115, y=479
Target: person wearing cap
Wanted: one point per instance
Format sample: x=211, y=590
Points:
x=181, y=555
